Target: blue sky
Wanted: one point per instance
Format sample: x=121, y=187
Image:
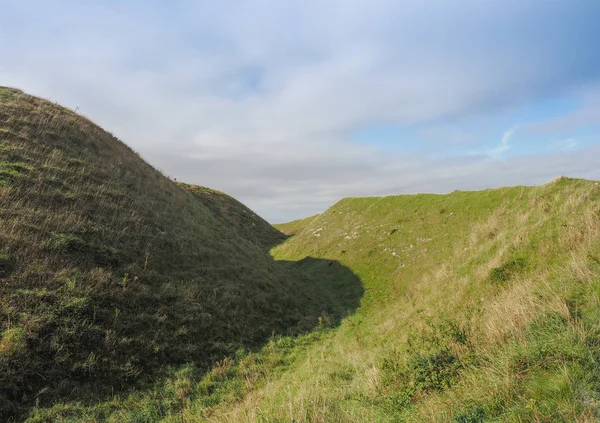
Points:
x=291, y=105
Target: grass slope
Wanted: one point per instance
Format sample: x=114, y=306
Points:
x=478, y=306
x=234, y=214
x=292, y=228
x=112, y=274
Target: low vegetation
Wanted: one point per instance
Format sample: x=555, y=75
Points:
x=129, y=298
x=112, y=275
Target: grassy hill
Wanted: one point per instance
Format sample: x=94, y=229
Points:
x=478, y=306
x=112, y=275
x=467, y=307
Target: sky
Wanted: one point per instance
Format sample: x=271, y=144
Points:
x=291, y=105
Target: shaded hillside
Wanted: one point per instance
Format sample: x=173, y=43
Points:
x=110, y=272
x=236, y=215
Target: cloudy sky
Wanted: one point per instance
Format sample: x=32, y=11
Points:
x=292, y=105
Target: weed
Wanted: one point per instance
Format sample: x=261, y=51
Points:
x=507, y=270
x=473, y=415
x=12, y=342
x=6, y=265
x=65, y=243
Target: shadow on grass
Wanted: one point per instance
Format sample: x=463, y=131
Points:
x=112, y=276
x=330, y=292
x=342, y=287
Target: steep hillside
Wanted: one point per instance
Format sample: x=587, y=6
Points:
x=111, y=274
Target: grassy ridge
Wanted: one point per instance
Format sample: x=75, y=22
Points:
x=111, y=274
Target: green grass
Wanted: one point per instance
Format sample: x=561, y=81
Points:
x=466, y=307
x=112, y=276
x=468, y=313
x=477, y=306
x=473, y=311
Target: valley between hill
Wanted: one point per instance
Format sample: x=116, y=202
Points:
x=127, y=297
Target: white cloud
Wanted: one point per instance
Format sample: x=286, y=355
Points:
x=257, y=98
x=504, y=146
